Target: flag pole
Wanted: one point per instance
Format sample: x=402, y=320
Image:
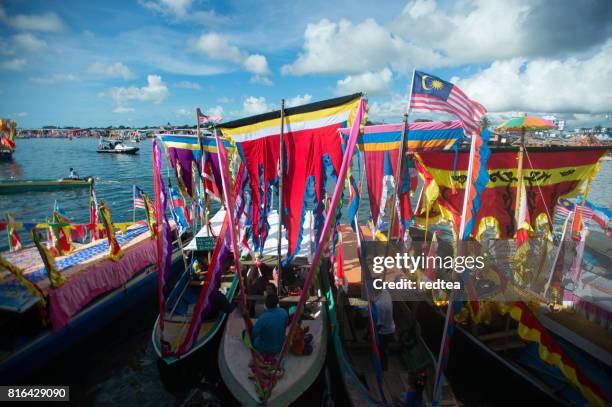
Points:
x=203, y=171
x=281, y=167
x=133, y=203
x=450, y=314
x=398, y=169
x=519, y=176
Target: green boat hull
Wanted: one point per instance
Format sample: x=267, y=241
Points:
x=43, y=185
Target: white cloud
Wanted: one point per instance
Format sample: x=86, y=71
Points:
x=374, y=83
x=225, y=100
x=176, y=7
x=15, y=64
x=48, y=22
x=253, y=105
x=155, y=91
x=188, y=85
x=182, y=112
x=345, y=47
x=257, y=64
x=260, y=80
x=112, y=70
x=476, y=31
x=430, y=34
x=217, y=46
x=22, y=114
x=214, y=111
x=393, y=108
x=28, y=42
x=57, y=78
x=545, y=85
x=298, y=100
x=182, y=10
x=123, y=109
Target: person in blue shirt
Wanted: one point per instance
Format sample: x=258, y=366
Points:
x=269, y=330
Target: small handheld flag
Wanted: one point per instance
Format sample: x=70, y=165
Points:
x=138, y=201
x=203, y=119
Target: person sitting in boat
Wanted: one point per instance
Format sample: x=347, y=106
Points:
x=218, y=303
x=382, y=313
x=269, y=330
x=73, y=174
x=301, y=342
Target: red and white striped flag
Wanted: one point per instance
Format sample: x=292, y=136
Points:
x=202, y=118
x=432, y=94
x=138, y=201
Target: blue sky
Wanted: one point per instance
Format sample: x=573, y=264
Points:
x=149, y=62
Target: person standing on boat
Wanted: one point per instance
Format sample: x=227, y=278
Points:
x=382, y=313
x=73, y=174
x=269, y=330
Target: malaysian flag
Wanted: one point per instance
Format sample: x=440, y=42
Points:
x=203, y=119
x=432, y=94
x=138, y=201
x=565, y=207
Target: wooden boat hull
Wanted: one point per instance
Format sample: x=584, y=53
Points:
x=21, y=186
x=6, y=153
x=497, y=376
x=208, y=330
x=300, y=371
x=49, y=344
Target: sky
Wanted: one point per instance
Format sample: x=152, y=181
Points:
x=150, y=62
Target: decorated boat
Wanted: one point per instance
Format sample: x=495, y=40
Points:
x=181, y=303
x=500, y=202
x=13, y=186
x=411, y=365
x=54, y=295
x=263, y=143
x=7, y=138
x=187, y=322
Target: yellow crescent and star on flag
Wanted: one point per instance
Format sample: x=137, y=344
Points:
x=434, y=83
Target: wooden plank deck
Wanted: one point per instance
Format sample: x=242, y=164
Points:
x=352, y=266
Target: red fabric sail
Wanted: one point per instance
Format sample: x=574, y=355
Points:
x=312, y=147
x=549, y=174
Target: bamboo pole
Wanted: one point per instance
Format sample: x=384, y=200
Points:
x=203, y=165
x=445, y=342
x=519, y=176
x=281, y=168
x=398, y=179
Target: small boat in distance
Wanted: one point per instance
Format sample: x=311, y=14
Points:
x=7, y=138
x=15, y=186
x=116, y=147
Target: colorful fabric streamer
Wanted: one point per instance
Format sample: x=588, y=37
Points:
x=184, y=151
x=549, y=350
x=479, y=181
x=164, y=240
x=48, y=259
x=114, y=250
x=14, y=240
x=312, y=147
x=546, y=180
